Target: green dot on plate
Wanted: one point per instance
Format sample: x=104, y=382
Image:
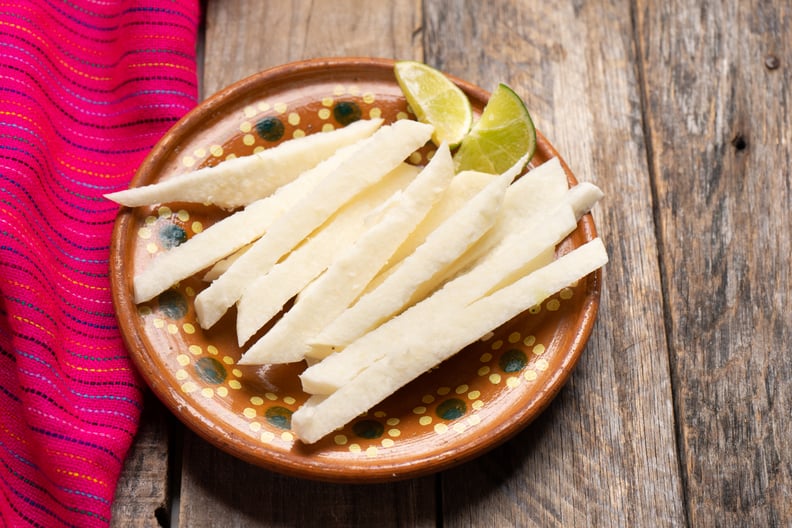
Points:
x=172, y=304
x=278, y=416
x=210, y=370
x=451, y=409
x=368, y=429
x=346, y=112
x=513, y=360
x=171, y=235
x=270, y=128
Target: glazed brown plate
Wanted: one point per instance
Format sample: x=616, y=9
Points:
x=472, y=402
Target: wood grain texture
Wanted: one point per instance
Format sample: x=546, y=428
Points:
x=720, y=127
x=247, y=36
x=143, y=498
x=678, y=413
x=604, y=453
x=219, y=490
x=214, y=485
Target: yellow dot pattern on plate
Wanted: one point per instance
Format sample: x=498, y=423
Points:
x=195, y=349
x=487, y=369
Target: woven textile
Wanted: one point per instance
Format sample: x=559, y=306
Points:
x=86, y=89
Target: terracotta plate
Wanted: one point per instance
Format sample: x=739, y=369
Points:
x=479, y=398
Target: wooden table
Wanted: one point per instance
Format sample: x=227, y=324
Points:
x=679, y=412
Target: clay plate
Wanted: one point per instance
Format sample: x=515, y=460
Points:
x=474, y=401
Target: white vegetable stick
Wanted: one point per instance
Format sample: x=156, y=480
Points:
x=231, y=233
x=441, y=247
x=535, y=192
x=510, y=258
x=240, y=181
x=356, y=265
x=418, y=349
x=221, y=266
x=375, y=157
x=461, y=190
x=267, y=295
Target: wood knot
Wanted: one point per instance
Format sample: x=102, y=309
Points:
x=771, y=62
x=739, y=142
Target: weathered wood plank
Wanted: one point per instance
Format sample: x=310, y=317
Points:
x=142, y=497
x=243, y=37
x=247, y=36
x=219, y=490
x=604, y=453
x=720, y=125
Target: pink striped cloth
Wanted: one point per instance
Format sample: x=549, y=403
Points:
x=87, y=87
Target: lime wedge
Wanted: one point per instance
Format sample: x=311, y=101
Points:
x=436, y=101
x=504, y=134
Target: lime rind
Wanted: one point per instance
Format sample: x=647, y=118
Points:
x=503, y=134
x=435, y=100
